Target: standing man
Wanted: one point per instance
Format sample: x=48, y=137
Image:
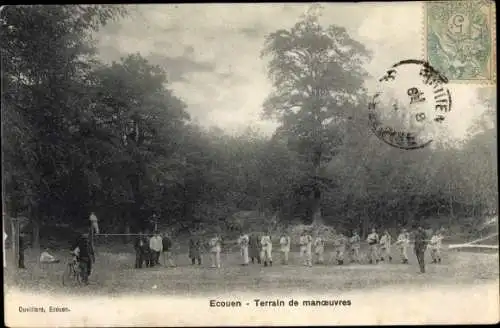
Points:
x=267, y=248
x=148, y=253
x=435, y=246
x=167, y=250
x=93, y=222
x=403, y=242
x=138, y=247
x=319, y=248
x=420, y=246
x=254, y=248
x=156, y=247
x=215, y=244
x=373, y=240
x=355, y=243
x=141, y=247
x=84, y=253
x=195, y=249
x=385, y=246
x=243, y=241
x=285, y=247
x=340, y=246
x=305, y=242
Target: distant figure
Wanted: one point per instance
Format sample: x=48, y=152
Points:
x=168, y=257
x=45, y=257
x=435, y=246
x=148, y=252
x=385, y=246
x=340, y=247
x=355, y=243
x=20, y=252
x=403, y=242
x=141, y=250
x=267, y=249
x=305, y=242
x=195, y=249
x=284, y=247
x=373, y=240
x=243, y=241
x=156, y=247
x=420, y=246
x=254, y=248
x=93, y=220
x=215, y=244
x=84, y=254
x=319, y=249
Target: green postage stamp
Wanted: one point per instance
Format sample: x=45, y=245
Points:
x=460, y=39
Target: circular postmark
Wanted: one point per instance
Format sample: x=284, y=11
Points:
x=410, y=104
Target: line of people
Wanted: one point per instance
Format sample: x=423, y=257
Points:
x=258, y=249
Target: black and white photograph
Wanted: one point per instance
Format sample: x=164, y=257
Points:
x=249, y=164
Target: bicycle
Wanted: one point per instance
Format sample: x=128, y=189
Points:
x=72, y=273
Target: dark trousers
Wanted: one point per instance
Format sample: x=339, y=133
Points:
x=20, y=264
x=139, y=259
x=85, y=269
x=256, y=258
x=420, y=253
x=194, y=259
x=155, y=258
x=149, y=258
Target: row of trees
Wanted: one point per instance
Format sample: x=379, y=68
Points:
x=81, y=136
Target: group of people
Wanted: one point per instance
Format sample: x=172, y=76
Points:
x=259, y=249
x=149, y=248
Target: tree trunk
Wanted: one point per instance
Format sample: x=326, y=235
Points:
x=15, y=240
x=317, y=219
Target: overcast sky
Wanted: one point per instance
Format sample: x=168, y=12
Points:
x=212, y=52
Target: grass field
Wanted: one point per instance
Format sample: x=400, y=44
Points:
x=114, y=275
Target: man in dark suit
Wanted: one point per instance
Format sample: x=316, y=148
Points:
x=421, y=241
x=141, y=247
x=84, y=252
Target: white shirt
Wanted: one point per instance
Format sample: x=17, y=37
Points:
x=435, y=241
x=266, y=241
x=156, y=244
x=319, y=242
x=215, y=244
x=285, y=242
x=385, y=240
x=93, y=220
x=305, y=240
x=243, y=240
x=355, y=241
x=403, y=239
x=373, y=237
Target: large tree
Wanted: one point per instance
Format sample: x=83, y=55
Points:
x=317, y=79
x=45, y=56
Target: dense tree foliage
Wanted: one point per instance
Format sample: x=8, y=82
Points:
x=318, y=81
x=81, y=136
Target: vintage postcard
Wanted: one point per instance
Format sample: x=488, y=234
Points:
x=249, y=164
